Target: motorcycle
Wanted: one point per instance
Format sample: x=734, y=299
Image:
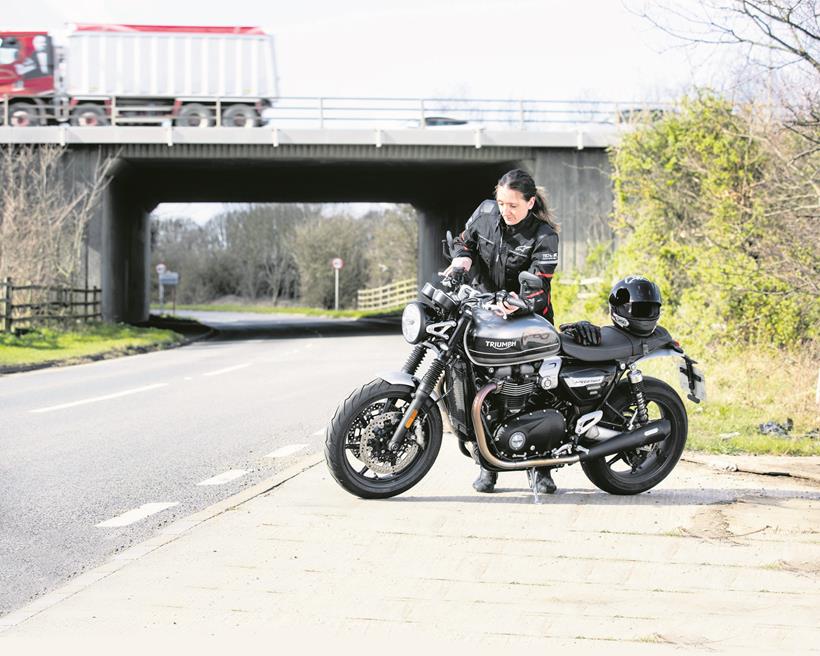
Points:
x=518, y=395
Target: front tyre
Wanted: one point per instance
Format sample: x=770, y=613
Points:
x=356, y=441
x=638, y=470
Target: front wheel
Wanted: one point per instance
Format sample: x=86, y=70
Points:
x=356, y=449
x=638, y=470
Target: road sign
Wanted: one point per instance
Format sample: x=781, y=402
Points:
x=337, y=263
x=169, y=278
x=161, y=268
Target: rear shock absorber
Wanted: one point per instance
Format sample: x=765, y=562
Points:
x=636, y=385
x=414, y=360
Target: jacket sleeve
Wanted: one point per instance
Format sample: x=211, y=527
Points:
x=543, y=263
x=465, y=243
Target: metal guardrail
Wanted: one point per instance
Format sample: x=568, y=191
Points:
x=339, y=112
x=39, y=304
x=387, y=296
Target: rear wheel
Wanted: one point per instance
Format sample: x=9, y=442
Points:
x=195, y=115
x=356, y=443
x=89, y=115
x=638, y=470
x=240, y=116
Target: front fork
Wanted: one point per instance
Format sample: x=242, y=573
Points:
x=423, y=392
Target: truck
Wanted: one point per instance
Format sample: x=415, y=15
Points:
x=137, y=75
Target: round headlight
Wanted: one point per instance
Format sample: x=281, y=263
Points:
x=413, y=323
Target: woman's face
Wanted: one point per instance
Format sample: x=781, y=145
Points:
x=512, y=205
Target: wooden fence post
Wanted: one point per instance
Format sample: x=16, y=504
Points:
x=7, y=306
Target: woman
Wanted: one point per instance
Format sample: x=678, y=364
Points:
x=514, y=233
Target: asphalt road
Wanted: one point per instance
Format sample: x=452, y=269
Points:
x=97, y=457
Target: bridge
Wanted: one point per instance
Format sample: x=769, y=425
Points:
x=441, y=165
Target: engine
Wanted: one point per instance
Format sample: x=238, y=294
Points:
x=525, y=419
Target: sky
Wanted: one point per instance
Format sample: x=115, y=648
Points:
x=499, y=49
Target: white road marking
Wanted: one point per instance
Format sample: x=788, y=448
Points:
x=116, y=395
x=286, y=451
x=188, y=378
x=227, y=369
x=225, y=477
x=137, y=514
x=319, y=432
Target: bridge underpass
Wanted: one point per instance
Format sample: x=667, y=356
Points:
x=444, y=175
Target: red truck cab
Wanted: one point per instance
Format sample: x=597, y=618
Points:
x=27, y=67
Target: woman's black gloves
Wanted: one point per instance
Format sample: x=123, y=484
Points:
x=583, y=332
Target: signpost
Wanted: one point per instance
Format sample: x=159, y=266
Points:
x=337, y=263
x=169, y=278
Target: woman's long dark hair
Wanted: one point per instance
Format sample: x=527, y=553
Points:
x=521, y=181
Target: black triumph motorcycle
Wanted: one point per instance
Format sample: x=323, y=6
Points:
x=518, y=395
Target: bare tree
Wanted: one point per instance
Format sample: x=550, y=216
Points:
x=43, y=218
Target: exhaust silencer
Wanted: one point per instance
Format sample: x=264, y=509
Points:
x=654, y=431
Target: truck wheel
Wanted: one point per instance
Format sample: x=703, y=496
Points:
x=89, y=115
x=195, y=115
x=23, y=115
x=240, y=116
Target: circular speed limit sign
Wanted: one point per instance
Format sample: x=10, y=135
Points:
x=337, y=263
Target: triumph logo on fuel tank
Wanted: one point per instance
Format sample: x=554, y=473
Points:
x=499, y=346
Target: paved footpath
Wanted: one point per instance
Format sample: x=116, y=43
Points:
x=711, y=561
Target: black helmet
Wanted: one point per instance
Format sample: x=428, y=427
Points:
x=635, y=305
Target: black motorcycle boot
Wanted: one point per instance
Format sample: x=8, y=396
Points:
x=543, y=480
x=485, y=481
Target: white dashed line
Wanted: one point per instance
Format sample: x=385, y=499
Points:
x=137, y=514
x=95, y=399
x=225, y=477
x=286, y=451
x=227, y=369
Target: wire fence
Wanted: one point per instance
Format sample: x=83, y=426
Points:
x=27, y=306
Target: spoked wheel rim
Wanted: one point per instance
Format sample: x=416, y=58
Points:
x=635, y=465
x=367, y=456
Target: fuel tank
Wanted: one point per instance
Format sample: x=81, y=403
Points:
x=492, y=341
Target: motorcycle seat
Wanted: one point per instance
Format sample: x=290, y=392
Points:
x=616, y=344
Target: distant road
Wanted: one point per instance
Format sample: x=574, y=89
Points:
x=99, y=456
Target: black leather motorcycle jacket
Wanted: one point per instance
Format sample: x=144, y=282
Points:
x=500, y=252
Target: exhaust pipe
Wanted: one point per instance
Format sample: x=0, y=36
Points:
x=654, y=431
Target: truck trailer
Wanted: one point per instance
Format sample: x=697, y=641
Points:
x=137, y=75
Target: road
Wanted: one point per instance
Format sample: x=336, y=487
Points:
x=97, y=457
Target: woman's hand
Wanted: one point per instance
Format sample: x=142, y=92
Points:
x=458, y=263
x=503, y=309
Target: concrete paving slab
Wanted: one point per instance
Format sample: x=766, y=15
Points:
x=711, y=561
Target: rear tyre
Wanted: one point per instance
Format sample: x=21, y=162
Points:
x=240, y=116
x=89, y=115
x=195, y=115
x=638, y=470
x=356, y=442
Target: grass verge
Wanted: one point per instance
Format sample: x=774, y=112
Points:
x=46, y=345
x=747, y=388
x=303, y=311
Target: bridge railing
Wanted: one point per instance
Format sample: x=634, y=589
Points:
x=30, y=305
x=341, y=112
x=387, y=296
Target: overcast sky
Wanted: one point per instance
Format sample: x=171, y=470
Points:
x=520, y=49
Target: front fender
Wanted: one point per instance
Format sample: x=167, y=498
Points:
x=403, y=378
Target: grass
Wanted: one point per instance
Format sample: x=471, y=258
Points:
x=747, y=388
x=303, y=311
x=92, y=339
